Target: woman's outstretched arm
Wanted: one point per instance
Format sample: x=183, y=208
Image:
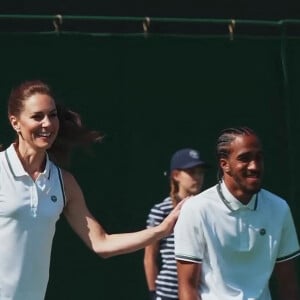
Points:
x=93, y=234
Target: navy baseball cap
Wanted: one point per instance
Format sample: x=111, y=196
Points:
x=186, y=158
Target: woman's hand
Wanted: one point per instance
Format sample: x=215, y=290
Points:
x=169, y=222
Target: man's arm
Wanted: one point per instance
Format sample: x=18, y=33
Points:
x=189, y=274
x=285, y=276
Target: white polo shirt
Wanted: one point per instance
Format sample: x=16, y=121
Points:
x=237, y=244
x=28, y=213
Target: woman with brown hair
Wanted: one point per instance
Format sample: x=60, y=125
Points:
x=186, y=179
x=35, y=189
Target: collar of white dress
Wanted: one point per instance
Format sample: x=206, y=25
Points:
x=16, y=166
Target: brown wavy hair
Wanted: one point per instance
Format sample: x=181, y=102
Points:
x=72, y=133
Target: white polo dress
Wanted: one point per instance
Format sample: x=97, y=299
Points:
x=28, y=214
x=237, y=245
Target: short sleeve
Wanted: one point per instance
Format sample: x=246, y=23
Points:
x=189, y=238
x=289, y=244
x=155, y=217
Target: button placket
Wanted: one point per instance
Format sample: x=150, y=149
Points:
x=34, y=200
x=244, y=234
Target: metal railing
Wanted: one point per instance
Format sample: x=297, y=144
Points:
x=147, y=25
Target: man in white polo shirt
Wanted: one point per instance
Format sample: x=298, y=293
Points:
x=231, y=238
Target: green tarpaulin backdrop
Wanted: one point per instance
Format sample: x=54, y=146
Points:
x=151, y=96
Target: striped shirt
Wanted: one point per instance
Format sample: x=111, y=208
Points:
x=166, y=281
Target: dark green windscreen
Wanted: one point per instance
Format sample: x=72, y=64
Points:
x=152, y=96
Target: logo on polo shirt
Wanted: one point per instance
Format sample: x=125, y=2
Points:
x=53, y=198
x=262, y=231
